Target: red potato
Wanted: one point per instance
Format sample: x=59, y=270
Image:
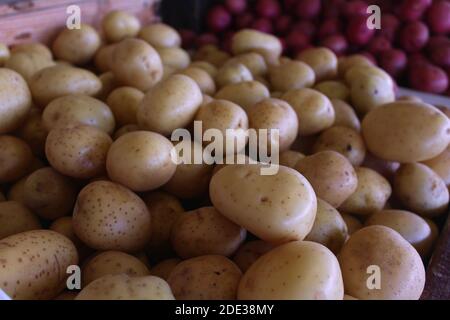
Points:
x=429, y=78
x=438, y=17
x=389, y=26
x=218, y=19
x=414, y=36
x=263, y=25
x=228, y=40
x=357, y=31
x=412, y=10
x=268, y=8
x=297, y=41
x=308, y=9
x=354, y=8
x=336, y=43
x=417, y=59
x=243, y=21
x=378, y=44
x=306, y=27
x=329, y=27
x=187, y=38
x=393, y=61
x=283, y=24
x=332, y=8
x=289, y=4
x=205, y=39
x=440, y=55
x=236, y=6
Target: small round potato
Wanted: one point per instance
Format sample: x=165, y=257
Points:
x=345, y=115
x=370, y=92
x=34, y=133
x=4, y=54
x=61, y=80
x=413, y=228
x=291, y=75
x=329, y=228
x=160, y=35
x=346, y=63
x=333, y=89
x=108, y=216
x=249, y=252
x=244, y=94
x=170, y=105
x=209, y=277
x=299, y=270
x=421, y=190
x=28, y=63
x=331, y=175
x=16, y=218
x=164, y=268
x=73, y=110
x=204, y=81
x=77, y=46
x=406, y=132
x=135, y=63
x=78, y=152
x=441, y=165
x=313, y=109
x=103, y=58
x=15, y=100
x=211, y=54
x=353, y=224
x=141, y=160
x=174, y=58
x=233, y=73
x=248, y=40
x=118, y=25
x=344, y=140
x=371, y=194
x=15, y=158
x=274, y=114
x=112, y=263
x=124, y=103
x=322, y=60
x=277, y=208
x=290, y=158
x=205, y=231
x=253, y=61
x=401, y=270
x=124, y=287
x=124, y=130
x=49, y=194
x=208, y=67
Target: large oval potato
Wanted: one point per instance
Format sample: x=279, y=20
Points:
x=118, y=25
x=244, y=94
x=108, y=216
x=248, y=40
x=160, y=35
x=34, y=264
x=233, y=73
x=291, y=75
x=402, y=274
x=15, y=158
x=16, y=218
x=299, y=270
x=406, y=132
x=370, y=92
x=277, y=208
x=253, y=61
x=173, y=59
x=322, y=60
x=15, y=100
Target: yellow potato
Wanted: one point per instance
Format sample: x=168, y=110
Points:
x=370, y=92
x=165, y=268
x=15, y=158
x=353, y=224
x=345, y=116
x=160, y=35
x=61, y=80
x=208, y=277
x=28, y=63
x=73, y=110
x=329, y=228
x=248, y=40
x=274, y=114
x=170, y=105
x=244, y=94
x=124, y=103
x=346, y=63
x=253, y=61
x=34, y=264
x=204, y=81
x=291, y=75
x=15, y=100
x=34, y=133
x=359, y=73
x=313, y=109
x=205, y=231
x=322, y=60
x=79, y=151
x=4, y=54
x=401, y=271
x=290, y=158
x=331, y=175
x=33, y=47
x=333, y=89
x=118, y=25
x=175, y=58
x=112, y=263
x=124, y=287
x=249, y=252
x=406, y=132
x=103, y=58
x=208, y=67
x=441, y=165
x=233, y=73
x=124, y=130
x=211, y=54
x=77, y=46
x=16, y=218
x=282, y=208
x=140, y=160
x=135, y=63
x=108, y=216
x=109, y=83
x=421, y=190
x=413, y=228
x=299, y=270
x=344, y=140
x=371, y=194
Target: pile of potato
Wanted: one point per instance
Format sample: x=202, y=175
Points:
x=87, y=178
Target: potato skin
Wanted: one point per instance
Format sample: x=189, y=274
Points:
x=249, y=252
x=406, y=132
x=15, y=158
x=64, y=226
x=173, y=59
x=33, y=47
x=118, y=25
x=204, y=81
x=15, y=100
x=160, y=35
x=34, y=133
x=253, y=61
x=244, y=94
x=402, y=270
x=135, y=63
x=112, y=263
x=78, y=152
x=124, y=103
x=124, y=287
x=164, y=268
x=247, y=40
x=232, y=73
x=141, y=160
x=441, y=165
x=281, y=209
x=16, y=218
x=289, y=158
x=322, y=60
x=28, y=63
x=333, y=89
x=34, y=264
x=205, y=231
x=291, y=75
x=4, y=54
x=331, y=175
x=108, y=216
x=297, y=270
x=170, y=105
x=210, y=277
x=353, y=224
x=345, y=116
